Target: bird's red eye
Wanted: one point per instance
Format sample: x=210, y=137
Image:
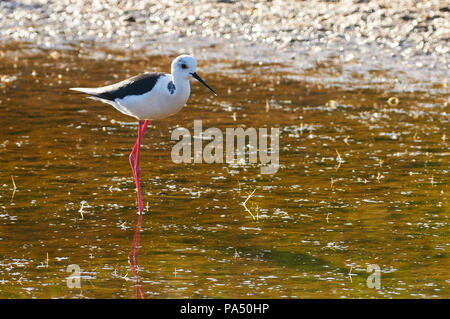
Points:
x=184, y=66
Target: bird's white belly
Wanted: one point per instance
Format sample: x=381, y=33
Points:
x=156, y=104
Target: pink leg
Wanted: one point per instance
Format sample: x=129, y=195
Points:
x=137, y=169
x=134, y=162
x=135, y=148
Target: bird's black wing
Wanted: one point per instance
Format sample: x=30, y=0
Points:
x=137, y=85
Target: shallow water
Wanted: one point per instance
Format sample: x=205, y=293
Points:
x=361, y=182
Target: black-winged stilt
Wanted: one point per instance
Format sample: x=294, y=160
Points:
x=147, y=97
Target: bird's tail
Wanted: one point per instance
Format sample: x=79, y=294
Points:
x=85, y=90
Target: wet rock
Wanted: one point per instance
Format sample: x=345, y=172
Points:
x=407, y=18
x=130, y=19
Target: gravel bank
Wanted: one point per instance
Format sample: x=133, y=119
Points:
x=407, y=40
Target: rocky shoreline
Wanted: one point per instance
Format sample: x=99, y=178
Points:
x=407, y=40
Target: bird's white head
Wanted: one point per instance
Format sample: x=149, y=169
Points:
x=184, y=67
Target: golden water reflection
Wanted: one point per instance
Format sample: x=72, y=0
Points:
x=362, y=181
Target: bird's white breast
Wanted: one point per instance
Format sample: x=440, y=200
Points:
x=157, y=103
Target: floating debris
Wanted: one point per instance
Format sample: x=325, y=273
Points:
x=8, y=78
x=84, y=204
x=14, y=188
x=245, y=206
x=332, y=104
x=393, y=101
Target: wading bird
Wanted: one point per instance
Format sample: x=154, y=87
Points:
x=148, y=96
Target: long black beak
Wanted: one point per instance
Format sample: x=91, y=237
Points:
x=198, y=78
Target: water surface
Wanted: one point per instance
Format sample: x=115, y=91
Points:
x=363, y=180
